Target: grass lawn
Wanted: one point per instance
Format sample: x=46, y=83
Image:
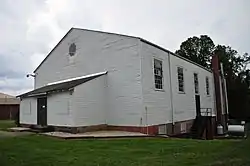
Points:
x=35, y=150
x=5, y=124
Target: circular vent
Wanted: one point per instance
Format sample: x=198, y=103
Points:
x=72, y=49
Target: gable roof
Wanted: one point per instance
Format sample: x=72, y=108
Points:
x=62, y=85
x=139, y=38
x=52, y=50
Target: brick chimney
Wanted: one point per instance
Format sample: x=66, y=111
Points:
x=216, y=73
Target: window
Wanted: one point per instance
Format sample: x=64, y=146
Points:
x=183, y=127
x=180, y=79
x=158, y=74
x=196, y=83
x=72, y=49
x=207, y=86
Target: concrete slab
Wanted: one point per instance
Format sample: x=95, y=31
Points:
x=19, y=129
x=96, y=134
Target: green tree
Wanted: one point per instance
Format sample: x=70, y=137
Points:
x=232, y=63
x=197, y=49
x=201, y=49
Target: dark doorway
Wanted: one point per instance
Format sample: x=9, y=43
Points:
x=42, y=111
x=198, y=105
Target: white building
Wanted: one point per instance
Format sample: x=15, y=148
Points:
x=96, y=80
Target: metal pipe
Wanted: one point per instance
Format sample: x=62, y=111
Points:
x=224, y=95
x=224, y=88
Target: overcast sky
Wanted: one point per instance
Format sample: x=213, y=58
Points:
x=29, y=29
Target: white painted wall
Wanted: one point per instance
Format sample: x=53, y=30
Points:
x=184, y=103
x=28, y=111
x=157, y=104
x=129, y=63
x=89, y=102
x=98, y=52
x=59, y=109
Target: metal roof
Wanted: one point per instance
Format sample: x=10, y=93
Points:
x=63, y=85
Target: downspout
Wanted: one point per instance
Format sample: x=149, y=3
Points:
x=106, y=99
x=224, y=93
x=142, y=101
x=171, y=93
x=226, y=99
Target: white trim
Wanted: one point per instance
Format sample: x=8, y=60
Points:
x=159, y=90
x=77, y=78
x=37, y=94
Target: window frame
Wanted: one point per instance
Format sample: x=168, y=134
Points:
x=178, y=80
x=154, y=74
x=196, y=86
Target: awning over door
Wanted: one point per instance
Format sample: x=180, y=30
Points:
x=62, y=85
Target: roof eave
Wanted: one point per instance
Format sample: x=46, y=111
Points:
x=141, y=39
x=84, y=30
x=44, y=91
x=163, y=49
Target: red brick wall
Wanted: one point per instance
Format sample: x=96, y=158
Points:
x=151, y=130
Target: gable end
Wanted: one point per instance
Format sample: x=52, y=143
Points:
x=53, y=50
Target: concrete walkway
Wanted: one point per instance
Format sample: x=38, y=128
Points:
x=96, y=134
x=65, y=135
x=19, y=129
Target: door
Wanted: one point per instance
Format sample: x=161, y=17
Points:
x=198, y=105
x=42, y=111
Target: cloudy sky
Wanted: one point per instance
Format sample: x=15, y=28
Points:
x=29, y=29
